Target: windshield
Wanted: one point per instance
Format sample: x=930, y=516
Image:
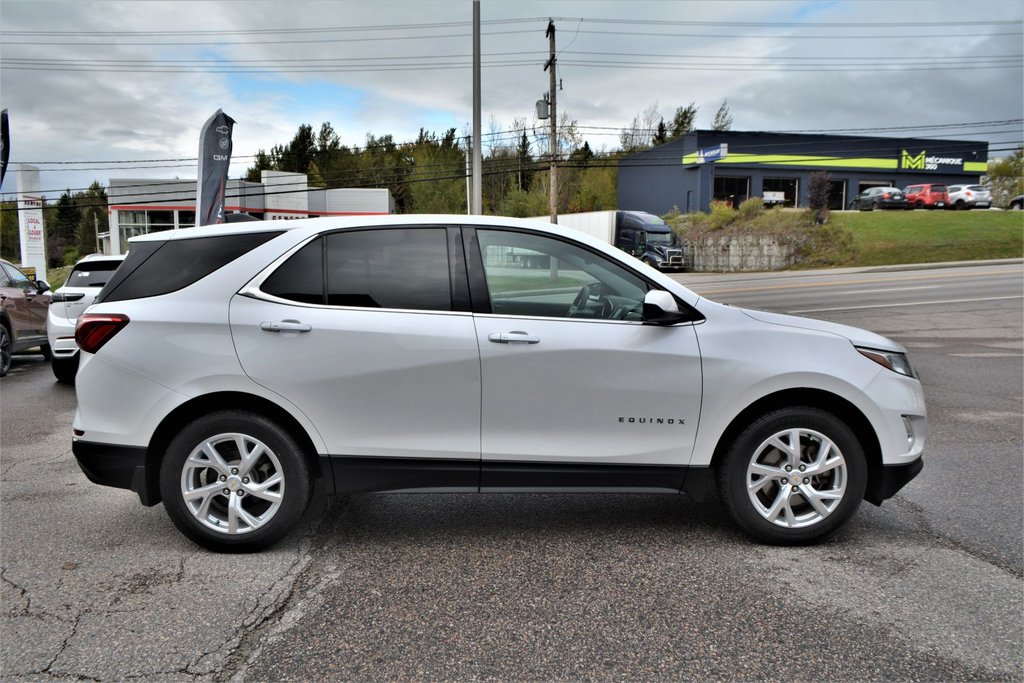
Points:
x=660, y=238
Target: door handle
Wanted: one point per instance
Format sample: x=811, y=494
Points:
x=285, y=326
x=512, y=338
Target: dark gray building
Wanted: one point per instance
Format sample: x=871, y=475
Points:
x=732, y=166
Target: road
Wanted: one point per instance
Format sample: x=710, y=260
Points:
x=540, y=587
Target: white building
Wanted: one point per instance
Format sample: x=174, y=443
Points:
x=142, y=205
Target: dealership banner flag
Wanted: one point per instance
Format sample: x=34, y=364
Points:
x=214, y=160
x=5, y=145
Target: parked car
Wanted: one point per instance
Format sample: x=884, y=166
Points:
x=23, y=304
x=1017, y=203
x=395, y=353
x=880, y=198
x=80, y=289
x=928, y=196
x=963, y=197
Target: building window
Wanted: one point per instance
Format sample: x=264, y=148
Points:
x=789, y=187
x=731, y=190
x=186, y=219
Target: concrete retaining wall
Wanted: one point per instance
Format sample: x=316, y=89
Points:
x=739, y=253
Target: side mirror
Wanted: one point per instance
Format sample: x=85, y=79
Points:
x=42, y=286
x=660, y=308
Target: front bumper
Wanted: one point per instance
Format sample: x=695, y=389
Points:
x=122, y=467
x=891, y=479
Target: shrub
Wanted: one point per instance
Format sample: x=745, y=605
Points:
x=751, y=209
x=722, y=215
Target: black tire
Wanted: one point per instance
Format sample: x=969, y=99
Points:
x=46, y=351
x=804, y=524
x=960, y=205
x=65, y=369
x=282, y=456
x=919, y=205
x=5, y=350
x=874, y=206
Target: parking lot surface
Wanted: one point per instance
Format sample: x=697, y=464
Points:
x=540, y=587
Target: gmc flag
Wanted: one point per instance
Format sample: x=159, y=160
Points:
x=214, y=159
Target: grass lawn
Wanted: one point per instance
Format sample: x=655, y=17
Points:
x=894, y=237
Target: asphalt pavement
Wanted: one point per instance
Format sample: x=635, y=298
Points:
x=556, y=587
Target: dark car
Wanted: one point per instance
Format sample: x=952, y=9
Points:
x=927, y=196
x=1017, y=203
x=23, y=306
x=880, y=198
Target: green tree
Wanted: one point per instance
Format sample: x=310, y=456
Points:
x=1006, y=177
x=62, y=235
x=93, y=205
x=818, y=188
x=723, y=119
x=10, y=235
x=313, y=176
x=661, y=135
x=683, y=121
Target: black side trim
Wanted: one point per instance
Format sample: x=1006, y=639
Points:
x=892, y=479
x=123, y=467
x=534, y=476
x=368, y=475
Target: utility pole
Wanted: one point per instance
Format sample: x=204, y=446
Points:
x=478, y=184
x=552, y=90
x=469, y=176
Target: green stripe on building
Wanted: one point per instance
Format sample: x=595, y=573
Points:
x=975, y=167
x=801, y=160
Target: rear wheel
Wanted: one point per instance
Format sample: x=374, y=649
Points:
x=5, y=350
x=960, y=205
x=793, y=476
x=874, y=206
x=234, y=482
x=65, y=369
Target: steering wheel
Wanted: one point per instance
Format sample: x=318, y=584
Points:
x=580, y=302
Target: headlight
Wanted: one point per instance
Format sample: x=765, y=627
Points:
x=897, y=362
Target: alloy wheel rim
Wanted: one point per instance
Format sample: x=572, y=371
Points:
x=796, y=478
x=232, y=483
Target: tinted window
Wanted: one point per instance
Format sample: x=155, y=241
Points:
x=155, y=268
x=301, y=277
x=519, y=266
x=976, y=188
x=91, y=274
x=938, y=188
x=18, y=278
x=399, y=268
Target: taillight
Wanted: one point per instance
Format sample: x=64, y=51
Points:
x=96, y=329
x=885, y=195
x=969, y=193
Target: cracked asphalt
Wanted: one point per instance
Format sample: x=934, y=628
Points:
x=930, y=586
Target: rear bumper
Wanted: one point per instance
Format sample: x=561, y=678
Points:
x=122, y=467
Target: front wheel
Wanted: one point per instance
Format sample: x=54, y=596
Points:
x=793, y=476
x=234, y=481
x=65, y=369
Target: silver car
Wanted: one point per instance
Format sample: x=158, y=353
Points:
x=69, y=301
x=969, y=197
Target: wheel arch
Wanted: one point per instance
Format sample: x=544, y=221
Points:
x=212, y=403
x=813, y=398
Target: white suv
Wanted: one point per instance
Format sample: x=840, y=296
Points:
x=969, y=197
x=84, y=282
x=226, y=370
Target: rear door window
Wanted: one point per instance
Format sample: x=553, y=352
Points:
x=91, y=274
x=403, y=268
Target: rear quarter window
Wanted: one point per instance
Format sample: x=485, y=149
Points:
x=155, y=268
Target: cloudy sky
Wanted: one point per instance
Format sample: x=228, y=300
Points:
x=93, y=81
